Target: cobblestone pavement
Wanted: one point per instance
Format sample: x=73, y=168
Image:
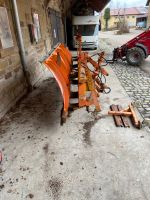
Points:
x=135, y=81
x=137, y=85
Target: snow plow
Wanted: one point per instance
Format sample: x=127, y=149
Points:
x=81, y=79
x=90, y=82
x=134, y=51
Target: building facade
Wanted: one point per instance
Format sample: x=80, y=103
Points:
x=32, y=15
x=28, y=30
x=130, y=15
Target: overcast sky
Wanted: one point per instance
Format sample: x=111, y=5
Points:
x=127, y=3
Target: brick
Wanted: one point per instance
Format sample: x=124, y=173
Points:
x=9, y=61
x=15, y=59
x=8, y=75
x=2, y=73
x=3, y=64
x=7, y=52
x=17, y=69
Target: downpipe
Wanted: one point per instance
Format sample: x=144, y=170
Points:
x=21, y=44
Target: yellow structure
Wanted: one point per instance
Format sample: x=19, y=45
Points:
x=117, y=15
x=114, y=21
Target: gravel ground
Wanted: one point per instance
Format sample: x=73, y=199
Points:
x=135, y=80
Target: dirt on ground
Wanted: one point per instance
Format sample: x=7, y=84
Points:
x=87, y=158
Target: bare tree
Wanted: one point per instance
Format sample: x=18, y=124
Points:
x=122, y=24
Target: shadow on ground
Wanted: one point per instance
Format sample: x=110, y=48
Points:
x=41, y=108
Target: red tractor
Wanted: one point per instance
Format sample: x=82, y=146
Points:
x=134, y=51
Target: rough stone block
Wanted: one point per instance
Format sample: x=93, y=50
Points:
x=2, y=73
x=7, y=52
x=3, y=64
x=15, y=60
x=8, y=75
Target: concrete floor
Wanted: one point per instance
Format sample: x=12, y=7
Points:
x=86, y=159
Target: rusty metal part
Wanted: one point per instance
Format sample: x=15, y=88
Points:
x=60, y=62
x=129, y=112
x=88, y=79
x=134, y=117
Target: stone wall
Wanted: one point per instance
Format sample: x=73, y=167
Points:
x=12, y=82
x=34, y=50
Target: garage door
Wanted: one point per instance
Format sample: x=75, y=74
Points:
x=56, y=27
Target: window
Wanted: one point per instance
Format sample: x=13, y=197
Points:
x=56, y=26
x=5, y=32
x=86, y=30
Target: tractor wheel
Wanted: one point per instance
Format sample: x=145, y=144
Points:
x=135, y=56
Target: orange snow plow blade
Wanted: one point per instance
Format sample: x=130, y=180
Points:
x=59, y=63
x=89, y=83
